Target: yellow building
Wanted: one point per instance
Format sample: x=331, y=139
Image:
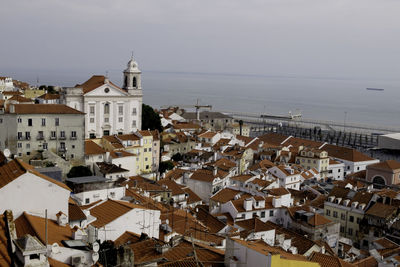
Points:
x=310, y=158
x=348, y=208
x=258, y=253
x=33, y=93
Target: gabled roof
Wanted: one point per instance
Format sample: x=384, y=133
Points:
x=21, y=99
x=94, y=82
x=35, y=226
x=173, y=186
x=242, y=178
x=325, y=260
x=318, y=220
x=207, y=175
x=280, y=191
x=15, y=168
x=91, y=148
x=49, y=96
x=227, y=194
x=110, y=210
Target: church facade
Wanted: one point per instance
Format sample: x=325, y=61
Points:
x=108, y=108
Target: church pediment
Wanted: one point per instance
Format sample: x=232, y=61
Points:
x=108, y=90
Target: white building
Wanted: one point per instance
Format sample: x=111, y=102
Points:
x=113, y=218
x=336, y=170
x=109, y=109
x=24, y=189
x=287, y=176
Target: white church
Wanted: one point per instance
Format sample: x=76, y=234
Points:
x=108, y=108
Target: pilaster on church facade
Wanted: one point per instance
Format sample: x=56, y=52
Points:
x=109, y=109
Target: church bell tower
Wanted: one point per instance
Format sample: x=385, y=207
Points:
x=132, y=78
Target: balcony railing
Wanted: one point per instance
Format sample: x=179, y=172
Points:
x=62, y=137
x=40, y=137
x=73, y=137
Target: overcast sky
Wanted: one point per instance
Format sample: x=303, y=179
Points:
x=337, y=38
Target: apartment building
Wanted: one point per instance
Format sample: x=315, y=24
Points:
x=26, y=129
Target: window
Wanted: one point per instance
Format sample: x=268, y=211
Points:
x=73, y=146
x=263, y=214
x=62, y=134
x=150, y=149
x=53, y=135
x=120, y=110
x=348, y=167
x=358, y=220
x=254, y=214
x=145, y=159
x=91, y=120
x=40, y=135
x=29, y=122
x=19, y=145
x=43, y=122
x=87, y=200
x=106, y=120
x=92, y=136
x=91, y=110
x=343, y=216
x=27, y=135
x=335, y=214
x=271, y=213
x=350, y=231
x=120, y=119
x=134, y=111
x=45, y=146
x=19, y=135
x=145, y=150
x=72, y=156
x=328, y=212
x=73, y=134
x=57, y=121
x=106, y=108
x=134, y=123
x=134, y=82
x=342, y=229
x=19, y=120
x=351, y=218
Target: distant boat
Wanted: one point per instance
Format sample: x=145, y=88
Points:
x=375, y=89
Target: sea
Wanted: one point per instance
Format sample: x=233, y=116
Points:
x=320, y=98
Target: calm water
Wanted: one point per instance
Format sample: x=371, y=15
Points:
x=316, y=98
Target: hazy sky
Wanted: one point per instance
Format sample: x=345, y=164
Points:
x=337, y=38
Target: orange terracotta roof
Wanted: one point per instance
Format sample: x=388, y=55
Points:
x=91, y=148
x=280, y=191
x=94, y=82
x=242, y=178
x=325, y=260
x=381, y=210
x=49, y=96
x=35, y=226
x=207, y=175
x=120, y=154
x=12, y=93
x=45, y=109
x=367, y=262
x=126, y=137
x=193, y=197
x=5, y=259
x=386, y=165
x=75, y=213
x=21, y=99
x=15, y=168
x=207, y=135
x=172, y=185
x=318, y=220
x=227, y=194
x=110, y=210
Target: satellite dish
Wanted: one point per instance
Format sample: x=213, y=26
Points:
x=96, y=247
x=55, y=248
x=7, y=152
x=95, y=257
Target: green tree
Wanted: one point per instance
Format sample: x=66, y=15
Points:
x=150, y=119
x=177, y=157
x=165, y=166
x=79, y=171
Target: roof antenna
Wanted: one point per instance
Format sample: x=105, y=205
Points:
x=132, y=55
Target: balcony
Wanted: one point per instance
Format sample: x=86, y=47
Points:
x=53, y=137
x=62, y=137
x=73, y=138
x=62, y=149
x=40, y=137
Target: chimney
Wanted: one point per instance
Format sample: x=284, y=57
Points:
x=323, y=250
x=215, y=171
